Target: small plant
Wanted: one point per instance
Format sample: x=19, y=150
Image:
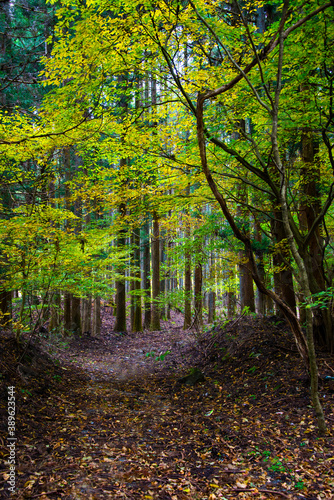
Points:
x=276, y=465
x=162, y=356
x=150, y=354
x=299, y=485
x=25, y=391
x=159, y=357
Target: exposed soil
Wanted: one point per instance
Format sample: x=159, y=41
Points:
x=110, y=418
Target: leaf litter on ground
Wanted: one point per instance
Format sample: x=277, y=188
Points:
x=97, y=418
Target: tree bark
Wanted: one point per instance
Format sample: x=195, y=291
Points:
x=97, y=318
x=246, y=284
x=187, y=282
x=187, y=269
x=136, y=323
x=283, y=280
x=212, y=294
x=163, y=280
x=310, y=208
x=55, y=311
x=260, y=298
x=67, y=313
x=155, y=322
x=146, y=275
x=198, y=299
x=120, y=323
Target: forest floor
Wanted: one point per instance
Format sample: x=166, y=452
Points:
x=113, y=418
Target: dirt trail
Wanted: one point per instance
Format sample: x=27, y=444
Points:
x=118, y=357
x=108, y=421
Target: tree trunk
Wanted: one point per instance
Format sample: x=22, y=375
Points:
x=163, y=306
x=87, y=315
x=230, y=294
x=187, y=270
x=260, y=298
x=246, y=283
x=120, y=324
x=67, y=312
x=6, y=308
x=155, y=323
x=5, y=294
x=75, y=316
x=211, y=307
x=306, y=349
x=187, y=282
x=310, y=208
x=146, y=275
x=198, y=299
x=246, y=287
x=283, y=280
x=97, y=318
x=136, y=323
x=313, y=369
x=212, y=295
x=289, y=314
x=76, y=301
x=55, y=312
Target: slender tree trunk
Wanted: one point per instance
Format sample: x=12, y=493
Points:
x=187, y=270
x=146, y=275
x=212, y=294
x=230, y=294
x=76, y=316
x=6, y=308
x=289, y=314
x=246, y=287
x=86, y=310
x=55, y=312
x=68, y=205
x=198, y=299
x=76, y=301
x=260, y=298
x=67, y=312
x=120, y=324
x=97, y=318
x=136, y=323
x=163, y=306
x=155, y=323
x=246, y=283
x=283, y=280
x=187, y=282
x=87, y=315
x=313, y=368
x=211, y=307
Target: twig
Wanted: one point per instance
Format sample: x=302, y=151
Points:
x=276, y=492
x=331, y=369
x=62, y=400
x=47, y=493
x=260, y=490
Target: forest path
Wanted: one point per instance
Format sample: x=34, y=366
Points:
x=117, y=424
x=129, y=355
